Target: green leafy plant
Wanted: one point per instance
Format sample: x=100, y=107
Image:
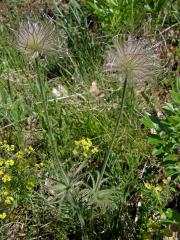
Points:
x=166, y=225
x=166, y=137
x=114, y=15
x=126, y=15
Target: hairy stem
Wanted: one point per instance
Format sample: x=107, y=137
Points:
x=114, y=134
x=47, y=121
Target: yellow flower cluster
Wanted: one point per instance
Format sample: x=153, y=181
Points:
x=6, y=163
x=3, y=215
x=6, y=199
x=39, y=165
x=5, y=176
x=84, y=147
x=21, y=157
x=22, y=153
x=30, y=185
x=6, y=147
x=157, y=188
x=10, y=162
x=9, y=200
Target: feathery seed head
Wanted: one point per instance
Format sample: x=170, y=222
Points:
x=35, y=38
x=132, y=59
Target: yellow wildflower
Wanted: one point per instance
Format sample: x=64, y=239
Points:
x=83, y=141
x=89, y=143
x=148, y=186
x=2, y=171
x=75, y=152
x=86, y=142
x=19, y=155
x=85, y=147
x=85, y=154
x=5, y=193
x=76, y=142
x=8, y=148
x=166, y=180
x=95, y=150
x=6, y=178
x=31, y=149
x=1, y=163
x=22, y=165
x=30, y=185
x=159, y=188
x=3, y=215
x=9, y=200
x=12, y=148
x=28, y=150
x=9, y=163
x=40, y=165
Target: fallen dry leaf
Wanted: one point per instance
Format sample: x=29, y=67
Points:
x=95, y=91
x=60, y=91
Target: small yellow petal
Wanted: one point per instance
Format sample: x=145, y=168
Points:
x=75, y=152
x=1, y=171
x=148, y=186
x=6, y=178
x=30, y=185
x=9, y=200
x=5, y=193
x=159, y=188
x=76, y=142
x=3, y=215
x=95, y=150
x=9, y=163
x=85, y=147
x=85, y=154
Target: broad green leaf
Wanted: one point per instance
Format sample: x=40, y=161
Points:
x=155, y=140
x=157, y=151
x=169, y=213
x=169, y=107
x=175, y=96
x=171, y=157
x=147, y=121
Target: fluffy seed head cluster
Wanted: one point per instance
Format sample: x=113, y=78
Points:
x=35, y=38
x=133, y=59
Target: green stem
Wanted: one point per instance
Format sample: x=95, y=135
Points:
x=9, y=87
x=132, y=14
x=114, y=135
x=48, y=124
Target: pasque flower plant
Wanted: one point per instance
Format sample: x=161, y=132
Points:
x=134, y=62
x=36, y=40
